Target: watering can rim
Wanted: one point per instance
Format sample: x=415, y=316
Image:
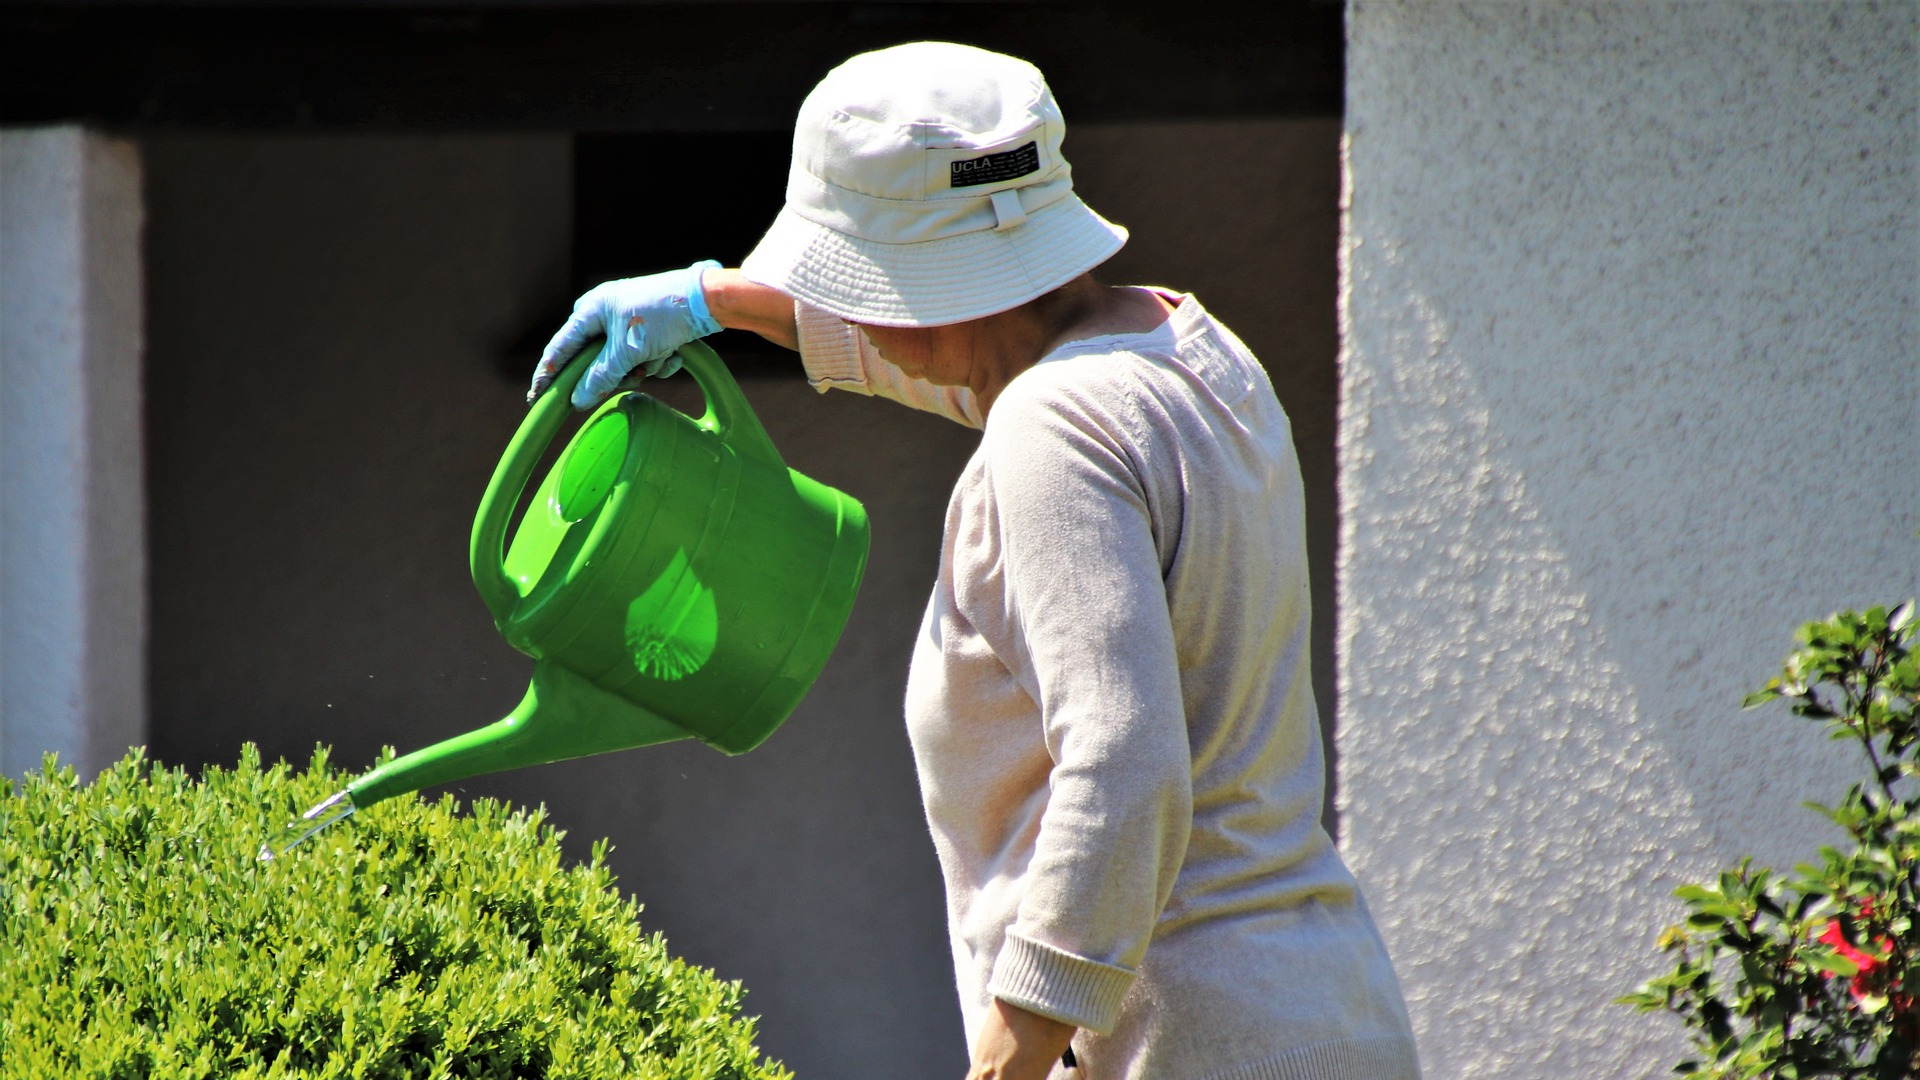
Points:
x=728, y=416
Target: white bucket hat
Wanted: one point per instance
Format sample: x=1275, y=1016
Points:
x=927, y=188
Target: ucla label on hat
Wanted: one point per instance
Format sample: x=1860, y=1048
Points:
x=994, y=168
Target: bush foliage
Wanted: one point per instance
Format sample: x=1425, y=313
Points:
x=1812, y=974
x=144, y=939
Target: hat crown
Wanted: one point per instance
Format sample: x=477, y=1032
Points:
x=927, y=188
x=956, y=88
x=869, y=125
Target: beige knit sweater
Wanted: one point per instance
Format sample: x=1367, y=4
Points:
x=1112, y=720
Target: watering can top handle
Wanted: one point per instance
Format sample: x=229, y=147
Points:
x=728, y=416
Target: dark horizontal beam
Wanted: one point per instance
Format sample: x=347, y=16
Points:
x=687, y=67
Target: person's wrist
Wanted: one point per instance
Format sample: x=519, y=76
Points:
x=1015, y=1043
x=738, y=302
x=698, y=307
x=717, y=292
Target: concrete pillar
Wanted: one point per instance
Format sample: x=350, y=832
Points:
x=1628, y=392
x=72, y=544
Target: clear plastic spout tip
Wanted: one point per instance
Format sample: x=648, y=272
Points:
x=337, y=807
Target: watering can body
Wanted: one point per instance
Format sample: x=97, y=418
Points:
x=671, y=578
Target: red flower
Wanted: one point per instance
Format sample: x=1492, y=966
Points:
x=1870, y=978
x=1867, y=964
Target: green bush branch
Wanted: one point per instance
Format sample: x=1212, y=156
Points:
x=143, y=939
x=1811, y=975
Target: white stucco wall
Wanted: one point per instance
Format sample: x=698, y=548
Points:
x=72, y=543
x=1628, y=391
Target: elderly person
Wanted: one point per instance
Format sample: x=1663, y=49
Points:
x=1109, y=700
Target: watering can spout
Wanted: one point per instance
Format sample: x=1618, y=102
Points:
x=699, y=581
x=562, y=716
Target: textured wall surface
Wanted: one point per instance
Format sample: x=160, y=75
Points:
x=1628, y=391
x=72, y=542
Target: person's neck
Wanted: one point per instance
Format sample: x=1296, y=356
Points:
x=1013, y=341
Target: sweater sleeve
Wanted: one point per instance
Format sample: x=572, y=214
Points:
x=1094, y=647
x=837, y=356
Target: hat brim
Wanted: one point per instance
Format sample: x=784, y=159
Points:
x=933, y=282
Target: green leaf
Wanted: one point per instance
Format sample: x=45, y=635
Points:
x=1875, y=620
x=1831, y=962
x=1901, y=617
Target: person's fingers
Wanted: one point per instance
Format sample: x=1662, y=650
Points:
x=582, y=327
x=662, y=368
x=604, y=375
x=586, y=395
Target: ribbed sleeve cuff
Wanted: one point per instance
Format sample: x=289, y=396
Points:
x=1074, y=990
x=828, y=350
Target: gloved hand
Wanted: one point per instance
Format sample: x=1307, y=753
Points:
x=644, y=319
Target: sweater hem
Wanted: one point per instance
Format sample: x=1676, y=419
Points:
x=1387, y=1057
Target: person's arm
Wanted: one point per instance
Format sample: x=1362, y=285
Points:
x=1015, y=1044
x=836, y=354
x=738, y=303
x=1093, y=645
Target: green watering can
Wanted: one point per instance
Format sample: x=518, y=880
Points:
x=671, y=578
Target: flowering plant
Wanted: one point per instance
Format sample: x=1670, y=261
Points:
x=1812, y=974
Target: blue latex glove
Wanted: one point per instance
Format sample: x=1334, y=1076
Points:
x=645, y=319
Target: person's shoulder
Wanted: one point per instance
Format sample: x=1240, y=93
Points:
x=1084, y=383
x=1214, y=355
x=1123, y=381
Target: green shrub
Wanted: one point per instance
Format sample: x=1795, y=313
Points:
x=1813, y=974
x=142, y=938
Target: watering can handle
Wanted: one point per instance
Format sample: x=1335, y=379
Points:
x=728, y=416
